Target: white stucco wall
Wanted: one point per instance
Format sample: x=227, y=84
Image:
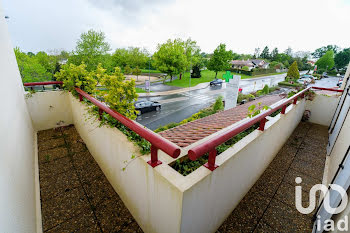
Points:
x=49, y=109
x=17, y=143
x=152, y=199
x=322, y=109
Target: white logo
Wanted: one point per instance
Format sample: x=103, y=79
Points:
x=328, y=224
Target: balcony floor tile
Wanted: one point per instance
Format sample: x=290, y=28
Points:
x=75, y=194
x=271, y=200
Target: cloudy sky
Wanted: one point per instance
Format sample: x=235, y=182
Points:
x=304, y=25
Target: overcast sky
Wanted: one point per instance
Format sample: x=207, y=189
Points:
x=37, y=25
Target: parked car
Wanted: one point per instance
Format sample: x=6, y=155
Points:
x=305, y=80
x=216, y=82
x=147, y=106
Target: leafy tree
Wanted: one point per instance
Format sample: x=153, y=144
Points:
x=322, y=51
x=326, y=61
x=131, y=56
x=90, y=49
x=77, y=76
x=265, y=53
x=170, y=57
x=293, y=71
x=47, y=61
x=127, y=70
x=30, y=69
x=274, y=54
x=136, y=71
x=220, y=59
x=121, y=94
x=342, y=58
x=276, y=65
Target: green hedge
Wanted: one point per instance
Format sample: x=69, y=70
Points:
x=290, y=84
x=253, y=72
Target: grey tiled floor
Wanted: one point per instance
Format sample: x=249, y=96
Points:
x=75, y=194
x=269, y=205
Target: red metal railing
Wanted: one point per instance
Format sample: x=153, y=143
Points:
x=157, y=142
x=42, y=83
x=327, y=89
x=210, y=146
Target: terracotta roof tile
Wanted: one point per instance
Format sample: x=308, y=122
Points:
x=186, y=134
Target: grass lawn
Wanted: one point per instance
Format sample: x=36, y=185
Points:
x=208, y=76
x=150, y=71
x=140, y=90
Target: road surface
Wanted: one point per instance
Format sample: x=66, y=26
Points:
x=177, y=107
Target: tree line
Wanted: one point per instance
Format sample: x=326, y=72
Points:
x=174, y=57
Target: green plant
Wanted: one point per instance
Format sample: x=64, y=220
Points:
x=127, y=69
x=77, y=76
x=136, y=71
x=121, y=94
x=185, y=166
x=246, y=68
x=218, y=105
x=293, y=71
x=253, y=110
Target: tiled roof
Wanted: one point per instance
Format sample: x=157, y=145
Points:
x=184, y=135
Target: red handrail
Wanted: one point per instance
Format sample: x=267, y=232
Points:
x=210, y=146
x=157, y=141
x=43, y=83
x=327, y=89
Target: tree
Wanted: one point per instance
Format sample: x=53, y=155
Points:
x=136, y=71
x=342, y=58
x=90, y=49
x=322, y=51
x=127, y=70
x=30, y=69
x=220, y=59
x=274, y=54
x=326, y=61
x=132, y=56
x=121, y=94
x=293, y=71
x=170, y=57
x=265, y=53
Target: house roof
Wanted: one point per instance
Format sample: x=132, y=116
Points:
x=257, y=61
x=186, y=134
x=242, y=63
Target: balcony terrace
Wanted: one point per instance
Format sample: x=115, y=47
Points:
x=93, y=178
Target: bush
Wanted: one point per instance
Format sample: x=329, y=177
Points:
x=196, y=72
x=296, y=84
x=293, y=71
x=77, y=76
x=121, y=94
x=246, y=68
x=218, y=105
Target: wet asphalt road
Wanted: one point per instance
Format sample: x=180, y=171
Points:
x=177, y=107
